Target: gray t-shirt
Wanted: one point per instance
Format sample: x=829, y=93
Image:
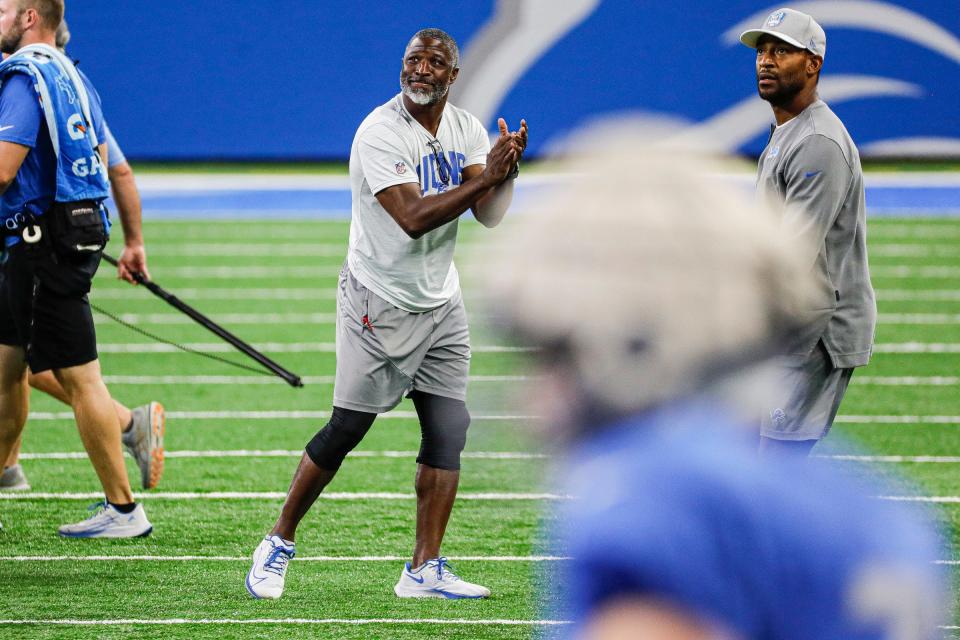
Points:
x=810, y=171
x=392, y=148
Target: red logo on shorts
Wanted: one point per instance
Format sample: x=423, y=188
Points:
x=366, y=323
x=401, y=168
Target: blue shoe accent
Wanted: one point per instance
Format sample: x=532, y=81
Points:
x=455, y=596
x=250, y=589
x=85, y=534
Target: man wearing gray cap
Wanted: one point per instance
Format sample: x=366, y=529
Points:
x=810, y=172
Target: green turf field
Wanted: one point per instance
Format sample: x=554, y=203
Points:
x=238, y=433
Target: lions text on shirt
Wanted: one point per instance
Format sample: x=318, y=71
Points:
x=392, y=148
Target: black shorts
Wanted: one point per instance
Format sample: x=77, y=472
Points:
x=44, y=307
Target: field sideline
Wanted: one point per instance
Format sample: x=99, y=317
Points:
x=233, y=440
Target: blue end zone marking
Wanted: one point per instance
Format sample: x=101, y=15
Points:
x=251, y=200
x=914, y=201
x=335, y=204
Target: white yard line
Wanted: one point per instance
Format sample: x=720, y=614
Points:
x=329, y=347
x=298, y=621
x=290, y=621
x=308, y=249
x=917, y=347
x=890, y=459
x=885, y=419
x=276, y=415
x=259, y=380
x=926, y=499
x=243, y=272
x=925, y=295
x=902, y=250
x=298, y=558
x=348, y=496
x=932, y=271
x=919, y=318
x=407, y=415
x=293, y=453
x=476, y=455
x=272, y=347
x=225, y=318
x=901, y=232
x=331, y=318
x=330, y=293
x=354, y=496
x=901, y=381
x=220, y=293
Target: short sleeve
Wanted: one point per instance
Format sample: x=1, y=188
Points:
x=478, y=142
x=114, y=152
x=385, y=159
x=20, y=114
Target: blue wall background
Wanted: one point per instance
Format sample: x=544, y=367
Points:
x=290, y=79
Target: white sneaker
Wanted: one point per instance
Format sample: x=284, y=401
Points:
x=107, y=522
x=14, y=479
x=144, y=441
x=270, y=558
x=435, y=579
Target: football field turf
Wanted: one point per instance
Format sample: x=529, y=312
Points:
x=234, y=438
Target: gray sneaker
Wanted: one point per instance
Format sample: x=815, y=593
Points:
x=144, y=441
x=14, y=479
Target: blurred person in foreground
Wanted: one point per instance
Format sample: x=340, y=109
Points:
x=810, y=173
x=142, y=427
x=654, y=309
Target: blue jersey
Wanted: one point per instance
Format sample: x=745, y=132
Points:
x=22, y=121
x=681, y=510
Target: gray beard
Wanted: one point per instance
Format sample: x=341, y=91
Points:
x=424, y=98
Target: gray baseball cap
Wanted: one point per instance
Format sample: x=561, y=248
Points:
x=793, y=27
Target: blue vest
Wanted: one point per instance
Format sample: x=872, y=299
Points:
x=66, y=109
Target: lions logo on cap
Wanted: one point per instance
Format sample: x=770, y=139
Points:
x=776, y=18
x=778, y=417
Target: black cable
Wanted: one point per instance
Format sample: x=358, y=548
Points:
x=184, y=348
x=291, y=378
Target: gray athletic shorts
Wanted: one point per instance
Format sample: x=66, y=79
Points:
x=813, y=389
x=384, y=352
